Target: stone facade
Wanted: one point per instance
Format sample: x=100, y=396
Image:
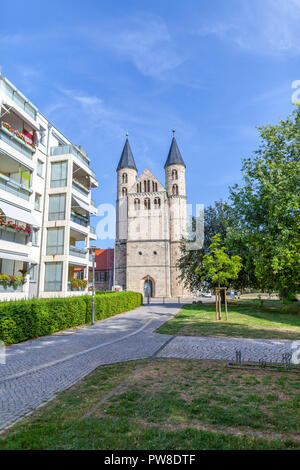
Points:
x=151, y=221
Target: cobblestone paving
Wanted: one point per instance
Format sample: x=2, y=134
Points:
x=36, y=370
x=195, y=347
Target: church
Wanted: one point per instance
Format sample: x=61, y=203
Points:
x=151, y=220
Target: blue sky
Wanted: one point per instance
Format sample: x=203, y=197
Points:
x=211, y=69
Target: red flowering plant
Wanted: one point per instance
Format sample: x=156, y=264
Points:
x=14, y=226
x=15, y=281
x=78, y=283
x=18, y=134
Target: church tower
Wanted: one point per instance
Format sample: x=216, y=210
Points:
x=151, y=221
x=176, y=190
x=126, y=177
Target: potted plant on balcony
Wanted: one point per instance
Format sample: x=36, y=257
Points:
x=78, y=284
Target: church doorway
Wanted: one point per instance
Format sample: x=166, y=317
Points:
x=148, y=288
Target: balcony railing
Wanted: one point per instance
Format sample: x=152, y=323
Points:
x=4, y=288
x=74, y=251
x=93, y=230
x=93, y=203
x=11, y=139
x=66, y=149
x=78, y=219
x=80, y=187
x=19, y=99
x=14, y=188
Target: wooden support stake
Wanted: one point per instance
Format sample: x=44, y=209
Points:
x=225, y=290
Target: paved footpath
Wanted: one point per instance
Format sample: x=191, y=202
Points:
x=36, y=370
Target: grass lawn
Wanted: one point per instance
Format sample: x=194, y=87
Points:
x=245, y=320
x=202, y=405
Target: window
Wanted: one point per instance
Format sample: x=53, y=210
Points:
x=147, y=203
x=53, y=277
x=174, y=175
x=59, y=174
x=42, y=136
x=154, y=186
x=32, y=272
x=137, y=204
x=55, y=241
x=175, y=190
x=102, y=276
x=124, y=178
x=37, y=202
x=138, y=188
x=124, y=192
x=40, y=168
x=57, y=207
x=35, y=237
x=157, y=203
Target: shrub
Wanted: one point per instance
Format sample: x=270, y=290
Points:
x=112, y=303
x=26, y=319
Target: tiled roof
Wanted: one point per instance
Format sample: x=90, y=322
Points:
x=104, y=259
x=174, y=156
x=126, y=160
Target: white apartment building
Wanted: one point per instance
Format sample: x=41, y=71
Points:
x=45, y=204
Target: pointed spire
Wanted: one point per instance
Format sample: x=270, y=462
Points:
x=126, y=160
x=174, y=156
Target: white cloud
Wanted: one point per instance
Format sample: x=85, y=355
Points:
x=145, y=41
x=265, y=27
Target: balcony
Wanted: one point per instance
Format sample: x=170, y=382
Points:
x=81, y=187
x=79, y=219
x=79, y=252
x=20, y=100
x=17, y=140
x=11, y=186
x=70, y=149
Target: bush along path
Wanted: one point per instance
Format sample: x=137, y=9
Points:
x=27, y=319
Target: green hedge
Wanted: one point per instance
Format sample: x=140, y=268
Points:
x=25, y=319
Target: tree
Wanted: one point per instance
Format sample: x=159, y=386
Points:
x=216, y=220
x=266, y=207
x=219, y=267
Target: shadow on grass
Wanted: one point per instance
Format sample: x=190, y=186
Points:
x=224, y=329
x=270, y=315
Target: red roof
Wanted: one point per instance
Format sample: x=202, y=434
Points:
x=104, y=259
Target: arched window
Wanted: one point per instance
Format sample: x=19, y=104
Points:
x=147, y=203
x=175, y=190
x=137, y=204
x=124, y=192
x=145, y=186
x=174, y=175
x=124, y=178
x=157, y=203
x=154, y=186
x=138, y=188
